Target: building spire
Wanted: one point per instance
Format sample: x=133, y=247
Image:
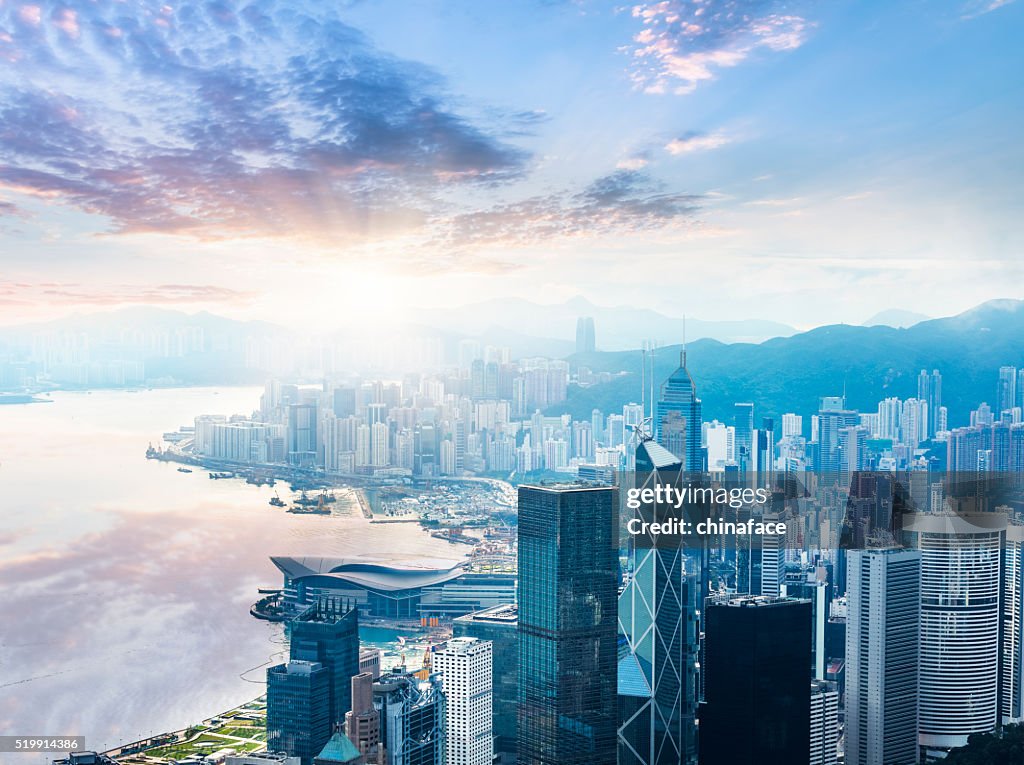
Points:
x=682, y=355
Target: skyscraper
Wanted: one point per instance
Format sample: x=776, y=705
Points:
x=1006, y=389
x=657, y=616
x=362, y=722
x=743, y=421
x=328, y=632
x=499, y=625
x=568, y=585
x=677, y=418
x=961, y=560
x=412, y=719
x=464, y=665
x=585, y=338
x=297, y=709
x=1012, y=706
x=929, y=390
x=882, y=651
x=824, y=723
x=832, y=418
x=757, y=661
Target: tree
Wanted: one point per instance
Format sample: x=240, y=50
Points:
x=1002, y=748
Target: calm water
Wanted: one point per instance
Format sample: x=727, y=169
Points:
x=125, y=585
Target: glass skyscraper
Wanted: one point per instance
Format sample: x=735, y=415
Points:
x=568, y=588
x=297, y=709
x=328, y=632
x=677, y=418
x=757, y=685
x=657, y=616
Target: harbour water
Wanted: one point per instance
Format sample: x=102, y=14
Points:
x=125, y=585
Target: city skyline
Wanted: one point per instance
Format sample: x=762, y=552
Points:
x=796, y=162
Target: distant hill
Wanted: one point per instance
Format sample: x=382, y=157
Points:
x=896, y=317
x=791, y=374
x=617, y=327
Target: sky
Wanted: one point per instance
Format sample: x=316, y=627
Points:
x=327, y=164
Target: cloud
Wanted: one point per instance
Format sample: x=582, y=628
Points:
x=230, y=119
x=74, y=294
x=624, y=202
x=977, y=8
x=684, y=42
x=692, y=142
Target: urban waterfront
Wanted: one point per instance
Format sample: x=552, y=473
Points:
x=126, y=585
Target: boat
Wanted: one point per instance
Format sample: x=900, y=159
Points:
x=219, y=476
x=276, y=501
x=306, y=510
x=184, y=470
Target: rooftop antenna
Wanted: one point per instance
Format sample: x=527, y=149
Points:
x=643, y=379
x=682, y=357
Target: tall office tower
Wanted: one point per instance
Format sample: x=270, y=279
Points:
x=362, y=722
x=1012, y=706
x=466, y=670
x=298, y=722
x=412, y=719
x=832, y=418
x=499, y=625
x=883, y=595
x=568, y=586
x=657, y=616
x=824, y=723
x=677, y=418
x=792, y=425
x=585, y=338
x=929, y=390
x=743, y=421
x=1006, y=389
x=302, y=434
x=961, y=560
x=328, y=632
x=757, y=658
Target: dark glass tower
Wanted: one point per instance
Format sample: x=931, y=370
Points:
x=677, y=418
x=297, y=704
x=568, y=587
x=657, y=616
x=757, y=660
x=328, y=632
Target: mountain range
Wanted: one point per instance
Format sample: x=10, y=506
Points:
x=790, y=374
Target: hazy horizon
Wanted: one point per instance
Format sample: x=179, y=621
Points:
x=804, y=163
